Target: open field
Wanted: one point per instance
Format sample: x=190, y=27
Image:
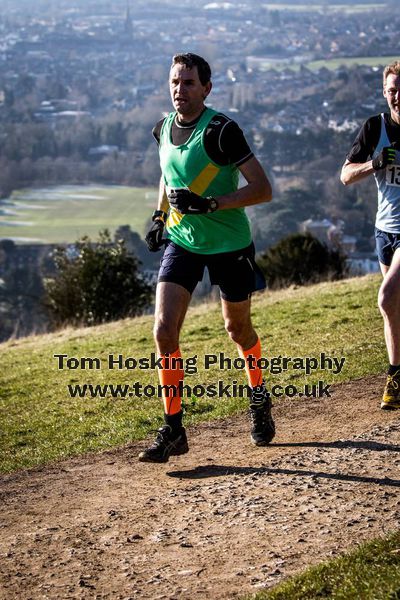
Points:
x=64, y=213
x=347, y=9
x=331, y=63
x=335, y=63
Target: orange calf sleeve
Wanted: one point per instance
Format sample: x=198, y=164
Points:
x=254, y=374
x=171, y=374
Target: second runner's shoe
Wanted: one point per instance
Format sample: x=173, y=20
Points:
x=262, y=424
x=391, y=394
x=167, y=443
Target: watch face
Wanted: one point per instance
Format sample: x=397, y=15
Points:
x=213, y=204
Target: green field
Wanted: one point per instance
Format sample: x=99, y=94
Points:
x=330, y=63
x=347, y=9
x=335, y=63
x=65, y=213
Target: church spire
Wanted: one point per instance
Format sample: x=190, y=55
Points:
x=128, y=27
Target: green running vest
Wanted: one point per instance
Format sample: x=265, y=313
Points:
x=189, y=166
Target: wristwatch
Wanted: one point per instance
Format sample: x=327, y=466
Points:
x=212, y=204
x=159, y=215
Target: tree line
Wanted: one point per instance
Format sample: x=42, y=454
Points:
x=57, y=151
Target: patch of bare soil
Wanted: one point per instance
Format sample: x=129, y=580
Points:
x=224, y=520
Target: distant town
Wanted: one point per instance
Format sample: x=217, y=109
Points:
x=103, y=59
x=82, y=83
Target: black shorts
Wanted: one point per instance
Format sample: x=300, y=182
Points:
x=236, y=273
x=386, y=245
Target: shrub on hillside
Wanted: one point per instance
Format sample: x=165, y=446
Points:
x=299, y=259
x=95, y=283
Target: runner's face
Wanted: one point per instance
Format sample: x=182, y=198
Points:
x=391, y=91
x=187, y=92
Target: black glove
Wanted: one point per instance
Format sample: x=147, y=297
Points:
x=189, y=203
x=154, y=238
x=385, y=157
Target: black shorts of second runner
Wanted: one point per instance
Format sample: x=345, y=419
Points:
x=236, y=273
x=386, y=245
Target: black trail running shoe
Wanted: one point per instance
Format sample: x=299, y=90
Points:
x=168, y=442
x=262, y=424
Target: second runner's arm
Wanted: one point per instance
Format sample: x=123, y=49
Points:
x=352, y=172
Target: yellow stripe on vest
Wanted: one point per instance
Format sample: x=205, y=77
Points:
x=204, y=179
x=174, y=218
x=198, y=186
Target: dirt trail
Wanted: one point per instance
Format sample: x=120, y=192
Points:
x=222, y=521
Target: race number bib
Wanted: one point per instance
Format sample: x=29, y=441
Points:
x=393, y=175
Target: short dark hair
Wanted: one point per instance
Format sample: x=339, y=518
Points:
x=194, y=60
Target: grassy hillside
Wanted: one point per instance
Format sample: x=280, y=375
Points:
x=41, y=422
x=64, y=213
x=370, y=572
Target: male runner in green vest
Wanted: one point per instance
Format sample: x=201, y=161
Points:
x=201, y=154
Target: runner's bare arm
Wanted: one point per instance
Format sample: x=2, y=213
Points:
x=258, y=188
x=353, y=172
